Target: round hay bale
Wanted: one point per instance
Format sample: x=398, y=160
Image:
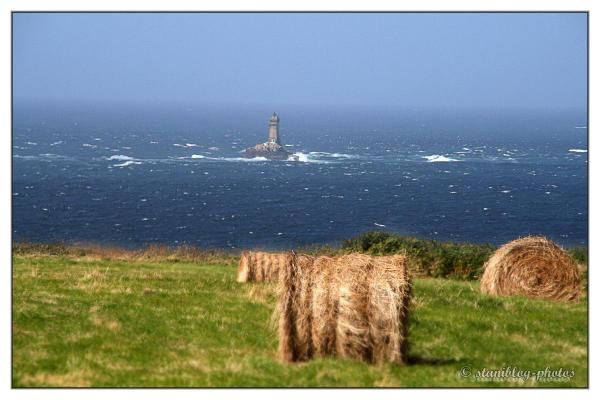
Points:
x=279, y=260
x=258, y=266
x=286, y=309
x=352, y=328
x=243, y=268
x=304, y=316
x=389, y=301
x=353, y=306
x=532, y=266
x=324, y=306
x=293, y=308
x=270, y=265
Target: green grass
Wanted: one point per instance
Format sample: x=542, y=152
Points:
x=99, y=322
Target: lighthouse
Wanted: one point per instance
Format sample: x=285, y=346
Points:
x=272, y=149
x=274, y=129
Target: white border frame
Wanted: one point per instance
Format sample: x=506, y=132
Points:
x=7, y=6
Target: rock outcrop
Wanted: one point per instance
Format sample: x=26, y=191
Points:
x=268, y=150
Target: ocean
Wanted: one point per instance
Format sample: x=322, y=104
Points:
x=139, y=174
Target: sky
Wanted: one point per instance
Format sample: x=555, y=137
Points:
x=454, y=60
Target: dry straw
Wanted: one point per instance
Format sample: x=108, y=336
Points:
x=353, y=306
x=258, y=266
x=532, y=266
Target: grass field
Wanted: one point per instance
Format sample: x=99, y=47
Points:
x=89, y=321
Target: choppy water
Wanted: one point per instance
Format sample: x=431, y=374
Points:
x=138, y=175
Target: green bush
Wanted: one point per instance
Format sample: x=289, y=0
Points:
x=580, y=254
x=425, y=257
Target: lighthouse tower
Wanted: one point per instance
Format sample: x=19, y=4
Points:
x=274, y=129
x=272, y=149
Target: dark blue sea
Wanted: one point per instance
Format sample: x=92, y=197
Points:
x=138, y=174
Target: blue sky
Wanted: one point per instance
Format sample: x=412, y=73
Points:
x=391, y=60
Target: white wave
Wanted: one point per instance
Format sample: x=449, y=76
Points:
x=43, y=157
x=213, y=148
x=581, y=127
x=439, y=158
x=56, y=143
x=376, y=224
x=120, y=157
x=334, y=155
x=242, y=159
x=191, y=145
x=342, y=155
x=578, y=150
x=299, y=157
x=305, y=158
x=202, y=157
x=126, y=163
x=51, y=155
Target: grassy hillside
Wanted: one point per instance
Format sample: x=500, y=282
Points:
x=93, y=320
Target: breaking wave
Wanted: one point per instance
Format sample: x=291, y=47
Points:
x=332, y=155
x=307, y=158
x=233, y=159
x=120, y=157
x=440, y=158
x=127, y=163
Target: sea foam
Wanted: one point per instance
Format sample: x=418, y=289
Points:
x=231, y=159
x=127, y=163
x=120, y=157
x=439, y=158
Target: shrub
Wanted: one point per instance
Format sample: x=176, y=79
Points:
x=426, y=257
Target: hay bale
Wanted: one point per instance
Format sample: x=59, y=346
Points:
x=295, y=319
x=532, y=266
x=261, y=264
x=279, y=262
x=352, y=328
x=353, y=306
x=324, y=304
x=258, y=266
x=389, y=295
x=243, y=272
